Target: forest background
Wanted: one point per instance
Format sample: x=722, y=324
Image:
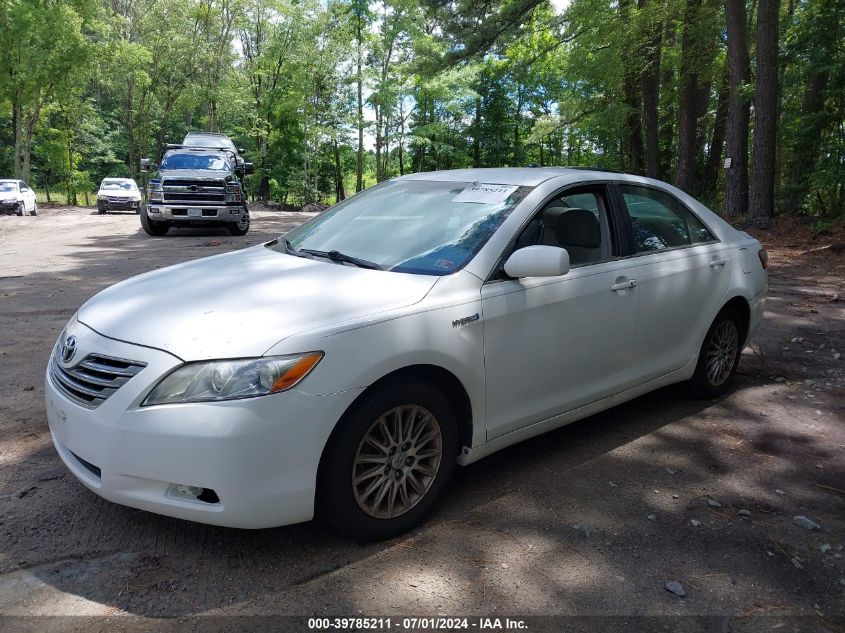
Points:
x=740, y=103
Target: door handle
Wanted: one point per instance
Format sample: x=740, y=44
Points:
x=719, y=261
x=624, y=285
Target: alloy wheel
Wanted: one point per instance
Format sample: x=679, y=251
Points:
x=722, y=352
x=397, y=461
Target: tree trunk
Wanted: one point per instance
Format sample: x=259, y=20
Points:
x=650, y=80
x=761, y=207
x=805, y=153
x=717, y=142
x=736, y=136
x=340, y=194
x=476, y=134
x=688, y=100
x=359, y=173
x=379, y=142
x=16, y=126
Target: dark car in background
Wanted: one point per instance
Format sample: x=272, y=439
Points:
x=195, y=186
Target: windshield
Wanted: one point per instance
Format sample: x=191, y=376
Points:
x=201, y=140
x=411, y=226
x=117, y=185
x=185, y=160
x=7, y=187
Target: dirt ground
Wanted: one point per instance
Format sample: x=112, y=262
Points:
x=590, y=520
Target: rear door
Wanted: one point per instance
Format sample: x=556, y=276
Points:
x=682, y=274
x=552, y=344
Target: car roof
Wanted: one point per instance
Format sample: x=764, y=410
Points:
x=205, y=134
x=523, y=176
x=117, y=179
x=9, y=180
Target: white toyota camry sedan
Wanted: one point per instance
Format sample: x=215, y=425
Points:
x=345, y=368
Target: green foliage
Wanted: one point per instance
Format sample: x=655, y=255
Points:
x=89, y=87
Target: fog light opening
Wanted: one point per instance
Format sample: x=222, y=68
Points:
x=206, y=495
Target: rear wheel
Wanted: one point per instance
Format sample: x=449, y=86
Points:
x=34, y=209
x=241, y=226
x=389, y=462
x=719, y=356
x=151, y=227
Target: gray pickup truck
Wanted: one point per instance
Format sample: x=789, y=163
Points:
x=196, y=186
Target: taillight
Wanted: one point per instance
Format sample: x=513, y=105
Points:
x=764, y=258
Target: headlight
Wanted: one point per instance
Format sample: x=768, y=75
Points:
x=232, y=379
x=233, y=192
x=154, y=190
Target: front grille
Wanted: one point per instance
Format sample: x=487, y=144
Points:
x=91, y=381
x=194, y=191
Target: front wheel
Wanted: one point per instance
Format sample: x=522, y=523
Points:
x=719, y=356
x=389, y=462
x=19, y=211
x=151, y=227
x=241, y=226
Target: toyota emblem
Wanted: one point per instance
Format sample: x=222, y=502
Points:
x=68, y=349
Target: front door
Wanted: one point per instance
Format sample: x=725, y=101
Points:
x=553, y=344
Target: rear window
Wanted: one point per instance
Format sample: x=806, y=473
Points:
x=660, y=221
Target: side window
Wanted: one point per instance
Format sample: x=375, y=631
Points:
x=660, y=221
x=23, y=186
x=575, y=220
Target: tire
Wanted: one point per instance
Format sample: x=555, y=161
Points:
x=241, y=227
x=34, y=209
x=352, y=498
x=719, y=356
x=153, y=228
x=20, y=210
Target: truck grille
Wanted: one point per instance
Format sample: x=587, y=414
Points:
x=194, y=191
x=91, y=381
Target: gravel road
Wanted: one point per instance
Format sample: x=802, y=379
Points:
x=596, y=519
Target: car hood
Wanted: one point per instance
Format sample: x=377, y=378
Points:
x=9, y=195
x=241, y=304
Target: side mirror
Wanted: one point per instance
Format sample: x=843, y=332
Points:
x=145, y=164
x=538, y=261
x=241, y=150
x=249, y=168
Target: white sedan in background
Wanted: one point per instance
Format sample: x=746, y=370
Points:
x=16, y=197
x=118, y=194
x=345, y=368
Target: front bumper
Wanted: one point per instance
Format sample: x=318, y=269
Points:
x=118, y=205
x=9, y=208
x=199, y=213
x=258, y=455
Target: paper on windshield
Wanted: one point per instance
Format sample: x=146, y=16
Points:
x=484, y=193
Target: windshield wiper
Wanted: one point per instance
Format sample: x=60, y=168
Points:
x=290, y=249
x=337, y=256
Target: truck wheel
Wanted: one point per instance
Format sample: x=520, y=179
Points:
x=241, y=226
x=151, y=227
